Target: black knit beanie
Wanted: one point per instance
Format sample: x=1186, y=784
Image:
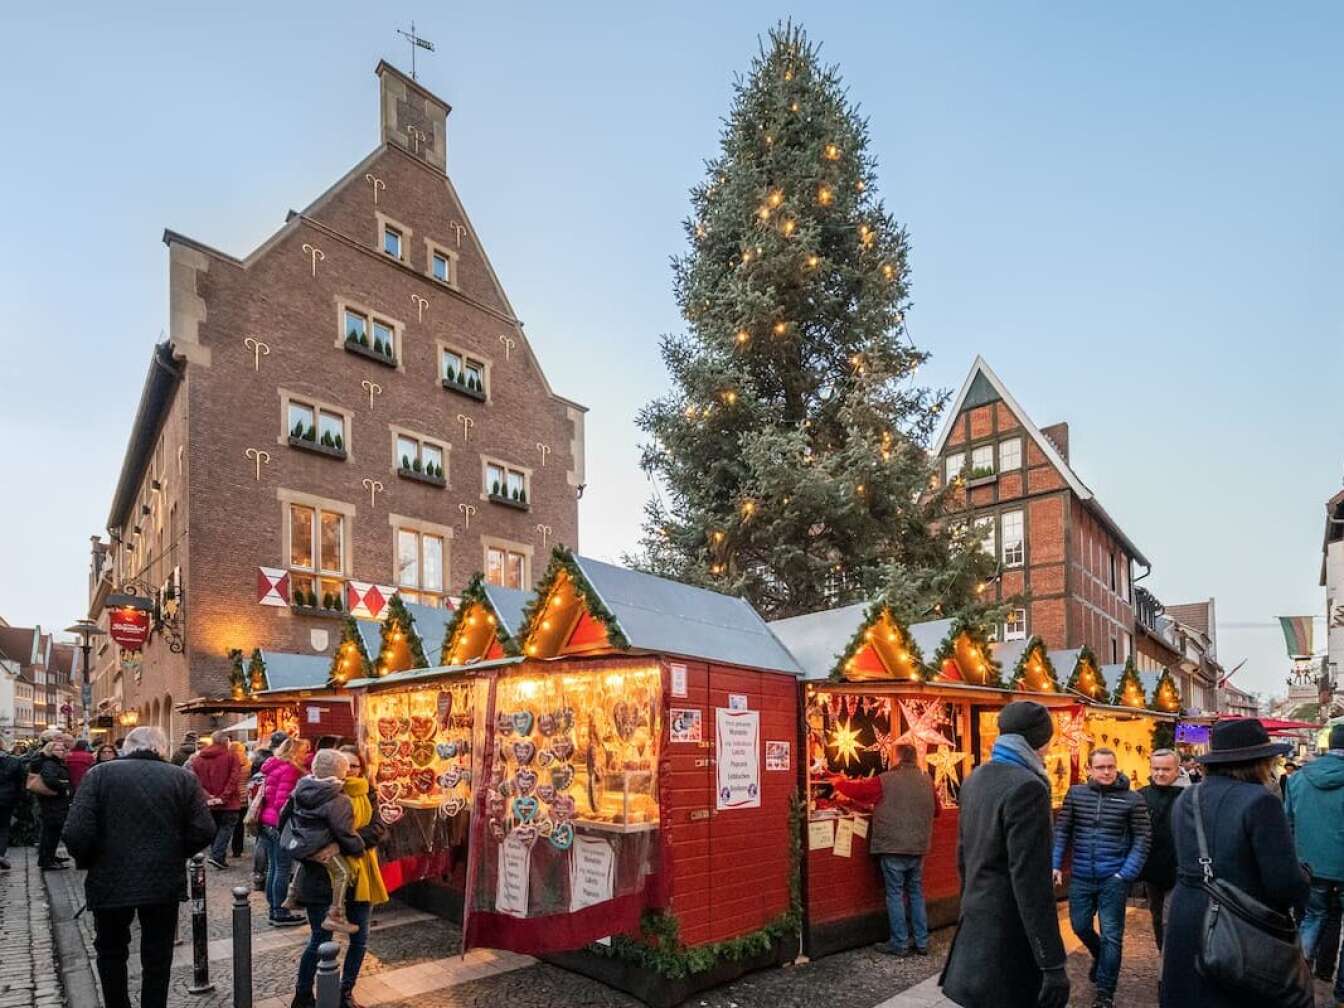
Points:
x=1028, y=719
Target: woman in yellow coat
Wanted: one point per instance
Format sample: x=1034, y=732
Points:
x=367, y=886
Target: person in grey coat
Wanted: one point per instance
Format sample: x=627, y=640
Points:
x=1007, y=952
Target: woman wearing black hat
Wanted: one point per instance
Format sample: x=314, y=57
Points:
x=1249, y=844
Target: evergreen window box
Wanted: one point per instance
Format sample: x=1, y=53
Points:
x=514, y=502
x=433, y=479
x=318, y=611
x=472, y=390
x=335, y=448
x=980, y=477
x=384, y=357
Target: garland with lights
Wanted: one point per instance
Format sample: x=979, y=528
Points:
x=1166, y=686
x=948, y=649
x=563, y=560
x=350, y=635
x=1022, y=669
x=1129, y=681
x=475, y=592
x=399, y=618
x=256, y=673
x=1086, y=659
x=237, y=674
x=871, y=617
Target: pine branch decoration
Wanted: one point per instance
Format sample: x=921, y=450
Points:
x=1022, y=668
x=349, y=635
x=562, y=560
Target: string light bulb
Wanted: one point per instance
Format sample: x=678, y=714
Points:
x=743, y=336
x=775, y=198
x=730, y=397
x=832, y=152
x=825, y=195
x=780, y=328
x=888, y=271
x=813, y=261
x=788, y=226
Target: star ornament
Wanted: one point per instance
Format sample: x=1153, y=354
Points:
x=1072, y=729
x=885, y=746
x=923, y=731
x=845, y=743
x=946, y=763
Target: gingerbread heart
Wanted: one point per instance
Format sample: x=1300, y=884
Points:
x=525, y=780
x=525, y=834
x=496, y=829
x=387, y=727
x=564, y=719
x=504, y=724
x=423, y=781
x=422, y=753
x=404, y=749
x=452, y=807
x=444, y=704
x=545, y=758
x=446, y=750
x=525, y=808
x=562, y=837
x=545, y=826
x=562, y=809
x=450, y=777
x=494, y=805
x=546, y=792
x=505, y=788
x=546, y=724
x=387, y=791
x=563, y=747
x=390, y=813
x=422, y=727
x=562, y=776
x=403, y=725
x=626, y=718
x=387, y=748
x=522, y=722
x=523, y=751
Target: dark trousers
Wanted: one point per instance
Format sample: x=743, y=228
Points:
x=358, y=915
x=1158, y=897
x=219, y=849
x=6, y=816
x=112, y=941
x=237, y=845
x=1328, y=941
x=51, y=819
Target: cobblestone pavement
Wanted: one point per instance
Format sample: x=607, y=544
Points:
x=27, y=979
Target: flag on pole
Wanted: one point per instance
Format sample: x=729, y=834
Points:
x=1297, y=635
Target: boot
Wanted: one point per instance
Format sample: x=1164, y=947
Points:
x=335, y=921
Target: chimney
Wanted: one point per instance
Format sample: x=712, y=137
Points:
x=414, y=119
x=1059, y=437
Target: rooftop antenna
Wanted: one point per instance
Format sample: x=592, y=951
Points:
x=416, y=43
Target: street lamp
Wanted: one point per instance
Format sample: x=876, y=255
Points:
x=128, y=719
x=86, y=630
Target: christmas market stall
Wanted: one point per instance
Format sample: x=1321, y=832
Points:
x=269, y=685
x=872, y=684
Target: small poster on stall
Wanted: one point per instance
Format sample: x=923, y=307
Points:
x=776, y=755
x=737, y=701
x=820, y=834
x=844, y=838
x=678, y=675
x=592, y=872
x=738, y=759
x=684, y=724
x=514, y=870
x=860, y=826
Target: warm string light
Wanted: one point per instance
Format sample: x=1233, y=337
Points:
x=743, y=336
x=825, y=195
x=831, y=152
x=780, y=328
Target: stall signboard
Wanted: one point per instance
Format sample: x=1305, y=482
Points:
x=844, y=838
x=684, y=724
x=738, y=759
x=678, y=673
x=129, y=627
x=514, y=872
x=592, y=872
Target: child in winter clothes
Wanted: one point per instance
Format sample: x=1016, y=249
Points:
x=319, y=811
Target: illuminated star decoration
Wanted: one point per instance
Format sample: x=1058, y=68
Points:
x=884, y=746
x=923, y=731
x=945, y=762
x=1072, y=730
x=845, y=742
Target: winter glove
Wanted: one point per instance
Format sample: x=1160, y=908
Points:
x=1054, y=988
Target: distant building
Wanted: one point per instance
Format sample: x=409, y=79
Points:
x=43, y=685
x=1332, y=580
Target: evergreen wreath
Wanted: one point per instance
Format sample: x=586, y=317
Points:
x=563, y=560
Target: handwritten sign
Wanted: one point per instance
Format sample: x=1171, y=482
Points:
x=776, y=755
x=684, y=724
x=860, y=826
x=844, y=838
x=820, y=834
x=738, y=739
x=511, y=889
x=678, y=676
x=592, y=872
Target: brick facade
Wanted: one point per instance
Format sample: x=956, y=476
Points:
x=290, y=295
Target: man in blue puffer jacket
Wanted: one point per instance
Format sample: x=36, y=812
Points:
x=1106, y=824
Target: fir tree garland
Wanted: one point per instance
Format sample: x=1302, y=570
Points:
x=1166, y=695
x=1087, y=660
x=400, y=618
x=871, y=618
x=476, y=593
x=974, y=631
x=350, y=635
x=1130, y=684
x=562, y=560
x=256, y=673
x=1022, y=668
x=237, y=675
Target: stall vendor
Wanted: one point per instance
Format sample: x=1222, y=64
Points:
x=904, y=806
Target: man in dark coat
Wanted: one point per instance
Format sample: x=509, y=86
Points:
x=1007, y=952
x=13, y=778
x=1106, y=825
x=52, y=806
x=134, y=823
x=904, y=807
x=1159, y=871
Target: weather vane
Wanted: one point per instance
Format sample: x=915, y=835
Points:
x=416, y=43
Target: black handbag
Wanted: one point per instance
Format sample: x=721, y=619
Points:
x=1245, y=947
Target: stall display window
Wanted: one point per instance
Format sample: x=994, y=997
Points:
x=1064, y=759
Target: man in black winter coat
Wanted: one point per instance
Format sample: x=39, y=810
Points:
x=13, y=781
x=1159, y=871
x=134, y=823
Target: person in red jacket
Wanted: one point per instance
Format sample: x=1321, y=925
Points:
x=220, y=775
x=77, y=761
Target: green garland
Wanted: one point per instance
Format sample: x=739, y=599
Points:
x=256, y=673
x=563, y=560
x=871, y=617
x=237, y=676
x=349, y=634
x=400, y=617
x=1020, y=669
x=1165, y=679
x=1130, y=676
x=1085, y=654
x=475, y=592
x=947, y=649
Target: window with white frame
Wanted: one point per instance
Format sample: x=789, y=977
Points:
x=317, y=426
x=984, y=530
x=982, y=460
x=316, y=557
x=420, y=565
x=1010, y=454
x=443, y=265
x=1015, y=626
x=463, y=371
x=502, y=482
x=952, y=466
x=1014, y=552
x=505, y=567
x=392, y=242
x=418, y=456
x=370, y=332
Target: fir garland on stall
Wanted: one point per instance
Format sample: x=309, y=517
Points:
x=237, y=676
x=948, y=649
x=1129, y=680
x=350, y=635
x=1022, y=669
x=400, y=618
x=1087, y=659
x=871, y=618
x=256, y=673
x=563, y=560
x=1166, y=696
x=475, y=592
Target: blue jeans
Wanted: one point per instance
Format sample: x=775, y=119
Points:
x=278, y=867
x=1104, y=899
x=1318, y=908
x=903, y=876
x=357, y=914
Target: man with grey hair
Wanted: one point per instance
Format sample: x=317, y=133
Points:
x=133, y=824
x=1159, y=871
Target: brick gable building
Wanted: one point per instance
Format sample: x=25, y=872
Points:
x=1053, y=539
x=354, y=405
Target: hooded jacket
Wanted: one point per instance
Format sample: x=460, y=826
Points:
x=319, y=813
x=219, y=774
x=1315, y=808
x=56, y=776
x=1108, y=829
x=281, y=775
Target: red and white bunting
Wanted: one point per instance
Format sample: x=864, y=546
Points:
x=272, y=586
x=367, y=601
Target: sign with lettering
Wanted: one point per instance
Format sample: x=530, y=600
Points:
x=820, y=834
x=514, y=871
x=678, y=676
x=129, y=627
x=776, y=755
x=738, y=740
x=844, y=838
x=592, y=872
x=684, y=724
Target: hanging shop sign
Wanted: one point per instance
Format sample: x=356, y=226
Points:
x=129, y=627
x=514, y=870
x=738, y=760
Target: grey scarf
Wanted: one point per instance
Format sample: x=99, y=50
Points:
x=1016, y=749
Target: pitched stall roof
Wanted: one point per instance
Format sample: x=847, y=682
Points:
x=1027, y=660
x=817, y=639
x=286, y=670
x=430, y=624
x=470, y=641
x=857, y=643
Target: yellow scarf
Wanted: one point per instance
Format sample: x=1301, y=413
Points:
x=368, y=884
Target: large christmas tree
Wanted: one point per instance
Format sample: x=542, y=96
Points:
x=792, y=448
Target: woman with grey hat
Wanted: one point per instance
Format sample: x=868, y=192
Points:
x=1250, y=847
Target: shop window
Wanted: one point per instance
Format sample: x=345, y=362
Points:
x=1015, y=627
x=420, y=564
x=316, y=429
x=952, y=466
x=464, y=373
x=420, y=459
x=316, y=558
x=505, y=567
x=505, y=485
x=1010, y=454
x=984, y=529
x=1014, y=551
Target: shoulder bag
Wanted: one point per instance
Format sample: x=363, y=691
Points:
x=1244, y=946
x=38, y=786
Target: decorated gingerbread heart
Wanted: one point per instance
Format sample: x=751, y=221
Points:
x=525, y=808
x=387, y=727
x=444, y=706
x=522, y=722
x=446, y=750
x=562, y=837
x=626, y=718
x=422, y=727
x=388, y=791
x=563, y=747
x=526, y=834
x=505, y=788
x=391, y=813
x=544, y=826
x=450, y=777
x=504, y=724
x=404, y=749
x=546, y=724
x=523, y=751
x=562, y=809
x=403, y=725
x=452, y=807
x=387, y=748
x=494, y=805
x=525, y=780
x=546, y=792
x=562, y=776
x=545, y=758
x=423, y=781
x=422, y=753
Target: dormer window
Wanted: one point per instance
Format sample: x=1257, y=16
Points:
x=391, y=241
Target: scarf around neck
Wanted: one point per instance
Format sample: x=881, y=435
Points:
x=1016, y=749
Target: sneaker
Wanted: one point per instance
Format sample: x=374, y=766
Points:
x=1103, y=1000
x=333, y=923
x=887, y=948
x=215, y=863
x=286, y=920
x=303, y=1001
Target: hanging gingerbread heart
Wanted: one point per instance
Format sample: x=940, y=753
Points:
x=562, y=836
x=562, y=776
x=626, y=718
x=387, y=791
x=545, y=826
x=504, y=724
x=423, y=781
x=444, y=703
x=546, y=724
x=522, y=722
x=525, y=834
x=545, y=758
x=422, y=753
x=564, y=719
x=563, y=808
x=391, y=813
x=387, y=727
x=525, y=780
x=505, y=788
x=404, y=749
x=446, y=750
x=563, y=747
x=422, y=727
x=523, y=751
x=403, y=725
x=450, y=777
x=452, y=807
x=494, y=805
x=387, y=748
x=525, y=808
x=546, y=792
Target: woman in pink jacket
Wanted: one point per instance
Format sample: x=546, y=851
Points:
x=282, y=771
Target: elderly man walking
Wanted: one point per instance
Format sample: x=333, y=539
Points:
x=133, y=824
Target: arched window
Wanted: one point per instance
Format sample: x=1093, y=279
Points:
x=168, y=716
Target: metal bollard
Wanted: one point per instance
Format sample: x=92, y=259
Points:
x=200, y=951
x=328, y=977
x=242, y=948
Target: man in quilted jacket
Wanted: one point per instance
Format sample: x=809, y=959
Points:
x=1106, y=825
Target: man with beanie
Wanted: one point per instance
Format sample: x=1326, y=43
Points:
x=1007, y=952
x=1315, y=808
x=1106, y=825
x=1159, y=871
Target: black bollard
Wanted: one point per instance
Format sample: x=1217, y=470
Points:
x=328, y=977
x=242, y=948
x=200, y=950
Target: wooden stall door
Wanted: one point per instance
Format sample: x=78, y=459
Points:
x=687, y=795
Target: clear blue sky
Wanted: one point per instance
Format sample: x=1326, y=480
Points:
x=1133, y=212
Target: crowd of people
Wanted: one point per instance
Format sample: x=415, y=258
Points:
x=315, y=852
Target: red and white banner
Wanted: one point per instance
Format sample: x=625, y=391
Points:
x=272, y=586
x=367, y=601
x=129, y=627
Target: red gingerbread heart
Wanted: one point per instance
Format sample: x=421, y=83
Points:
x=422, y=728
x=423, y=781
x=391, y=813
x=562, y=809
x=387, y=727
x=404, y=749
x=387, y=748
x=387, y=792
x=563, y=747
